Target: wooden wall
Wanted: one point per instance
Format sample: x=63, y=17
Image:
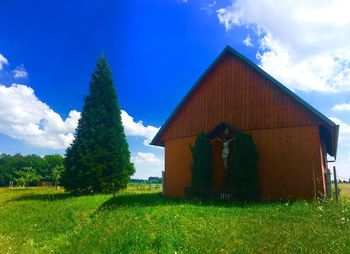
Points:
x=234, y=93
x=287, y=158
x=177, y=160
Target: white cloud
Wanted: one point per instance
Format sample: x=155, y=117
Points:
x=304, y=44
x=147, y=164
x=133, y=128
x=23, y=116
x=20, y=72
x=248, y=41
x=341, y=107
x=208, y=7
x=141, y=157
x=3, y=61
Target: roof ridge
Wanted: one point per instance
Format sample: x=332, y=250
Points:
x=231, y=50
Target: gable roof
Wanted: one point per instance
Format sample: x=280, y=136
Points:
x=228, y=49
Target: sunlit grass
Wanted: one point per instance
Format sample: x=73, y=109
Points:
x=344, y=189
x=44, y=220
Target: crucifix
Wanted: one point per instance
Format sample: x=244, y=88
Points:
x=225, y=150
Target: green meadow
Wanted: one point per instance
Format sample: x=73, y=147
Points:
x=140, y=220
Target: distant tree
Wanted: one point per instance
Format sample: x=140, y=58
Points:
x=154, y=179
x=37, y=162
x=201, y=166
x=6, y=173
x=9, y=166
x=99, y=158
x=52, y=162
x=26, y=176
x=56, y=173
x=138, y=181
x=243, y=161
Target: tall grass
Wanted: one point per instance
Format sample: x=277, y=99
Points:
x=43, y=220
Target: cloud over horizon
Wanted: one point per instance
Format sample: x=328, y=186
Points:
x=137, y=129
x=147, y=164
x=24, y=117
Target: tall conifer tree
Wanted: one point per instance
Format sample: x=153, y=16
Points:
x=99, y=158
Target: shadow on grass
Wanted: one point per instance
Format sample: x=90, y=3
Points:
x=42, y=197
x=157, y=199
x=142, y=199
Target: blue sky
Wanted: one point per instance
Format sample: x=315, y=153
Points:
x=50, y=49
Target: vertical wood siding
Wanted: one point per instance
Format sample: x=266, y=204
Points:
x=287, y=157
x=177, y=172
x=234, y=93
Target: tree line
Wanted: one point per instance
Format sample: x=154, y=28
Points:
x=27, y=170
x=150, y=180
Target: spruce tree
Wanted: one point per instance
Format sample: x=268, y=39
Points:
x=98, y=159
x=201, y=167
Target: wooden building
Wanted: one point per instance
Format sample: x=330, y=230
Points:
x=292, y=138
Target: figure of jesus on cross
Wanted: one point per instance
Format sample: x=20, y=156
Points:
x=225, y=150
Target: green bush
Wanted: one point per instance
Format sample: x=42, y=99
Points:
x=201, y=166
x=243, y=163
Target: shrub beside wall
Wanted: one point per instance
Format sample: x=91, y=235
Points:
x=201, y=167
x=243, y=163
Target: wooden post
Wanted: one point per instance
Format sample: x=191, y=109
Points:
x=329, y=184
x=163, y=174
x=335, y=184
x=314, y=182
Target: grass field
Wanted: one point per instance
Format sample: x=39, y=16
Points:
x=43, y=220
x=345, y=189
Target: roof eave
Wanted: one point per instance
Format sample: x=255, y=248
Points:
x=335, y=141
x=228, y=48
x=162, y=128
